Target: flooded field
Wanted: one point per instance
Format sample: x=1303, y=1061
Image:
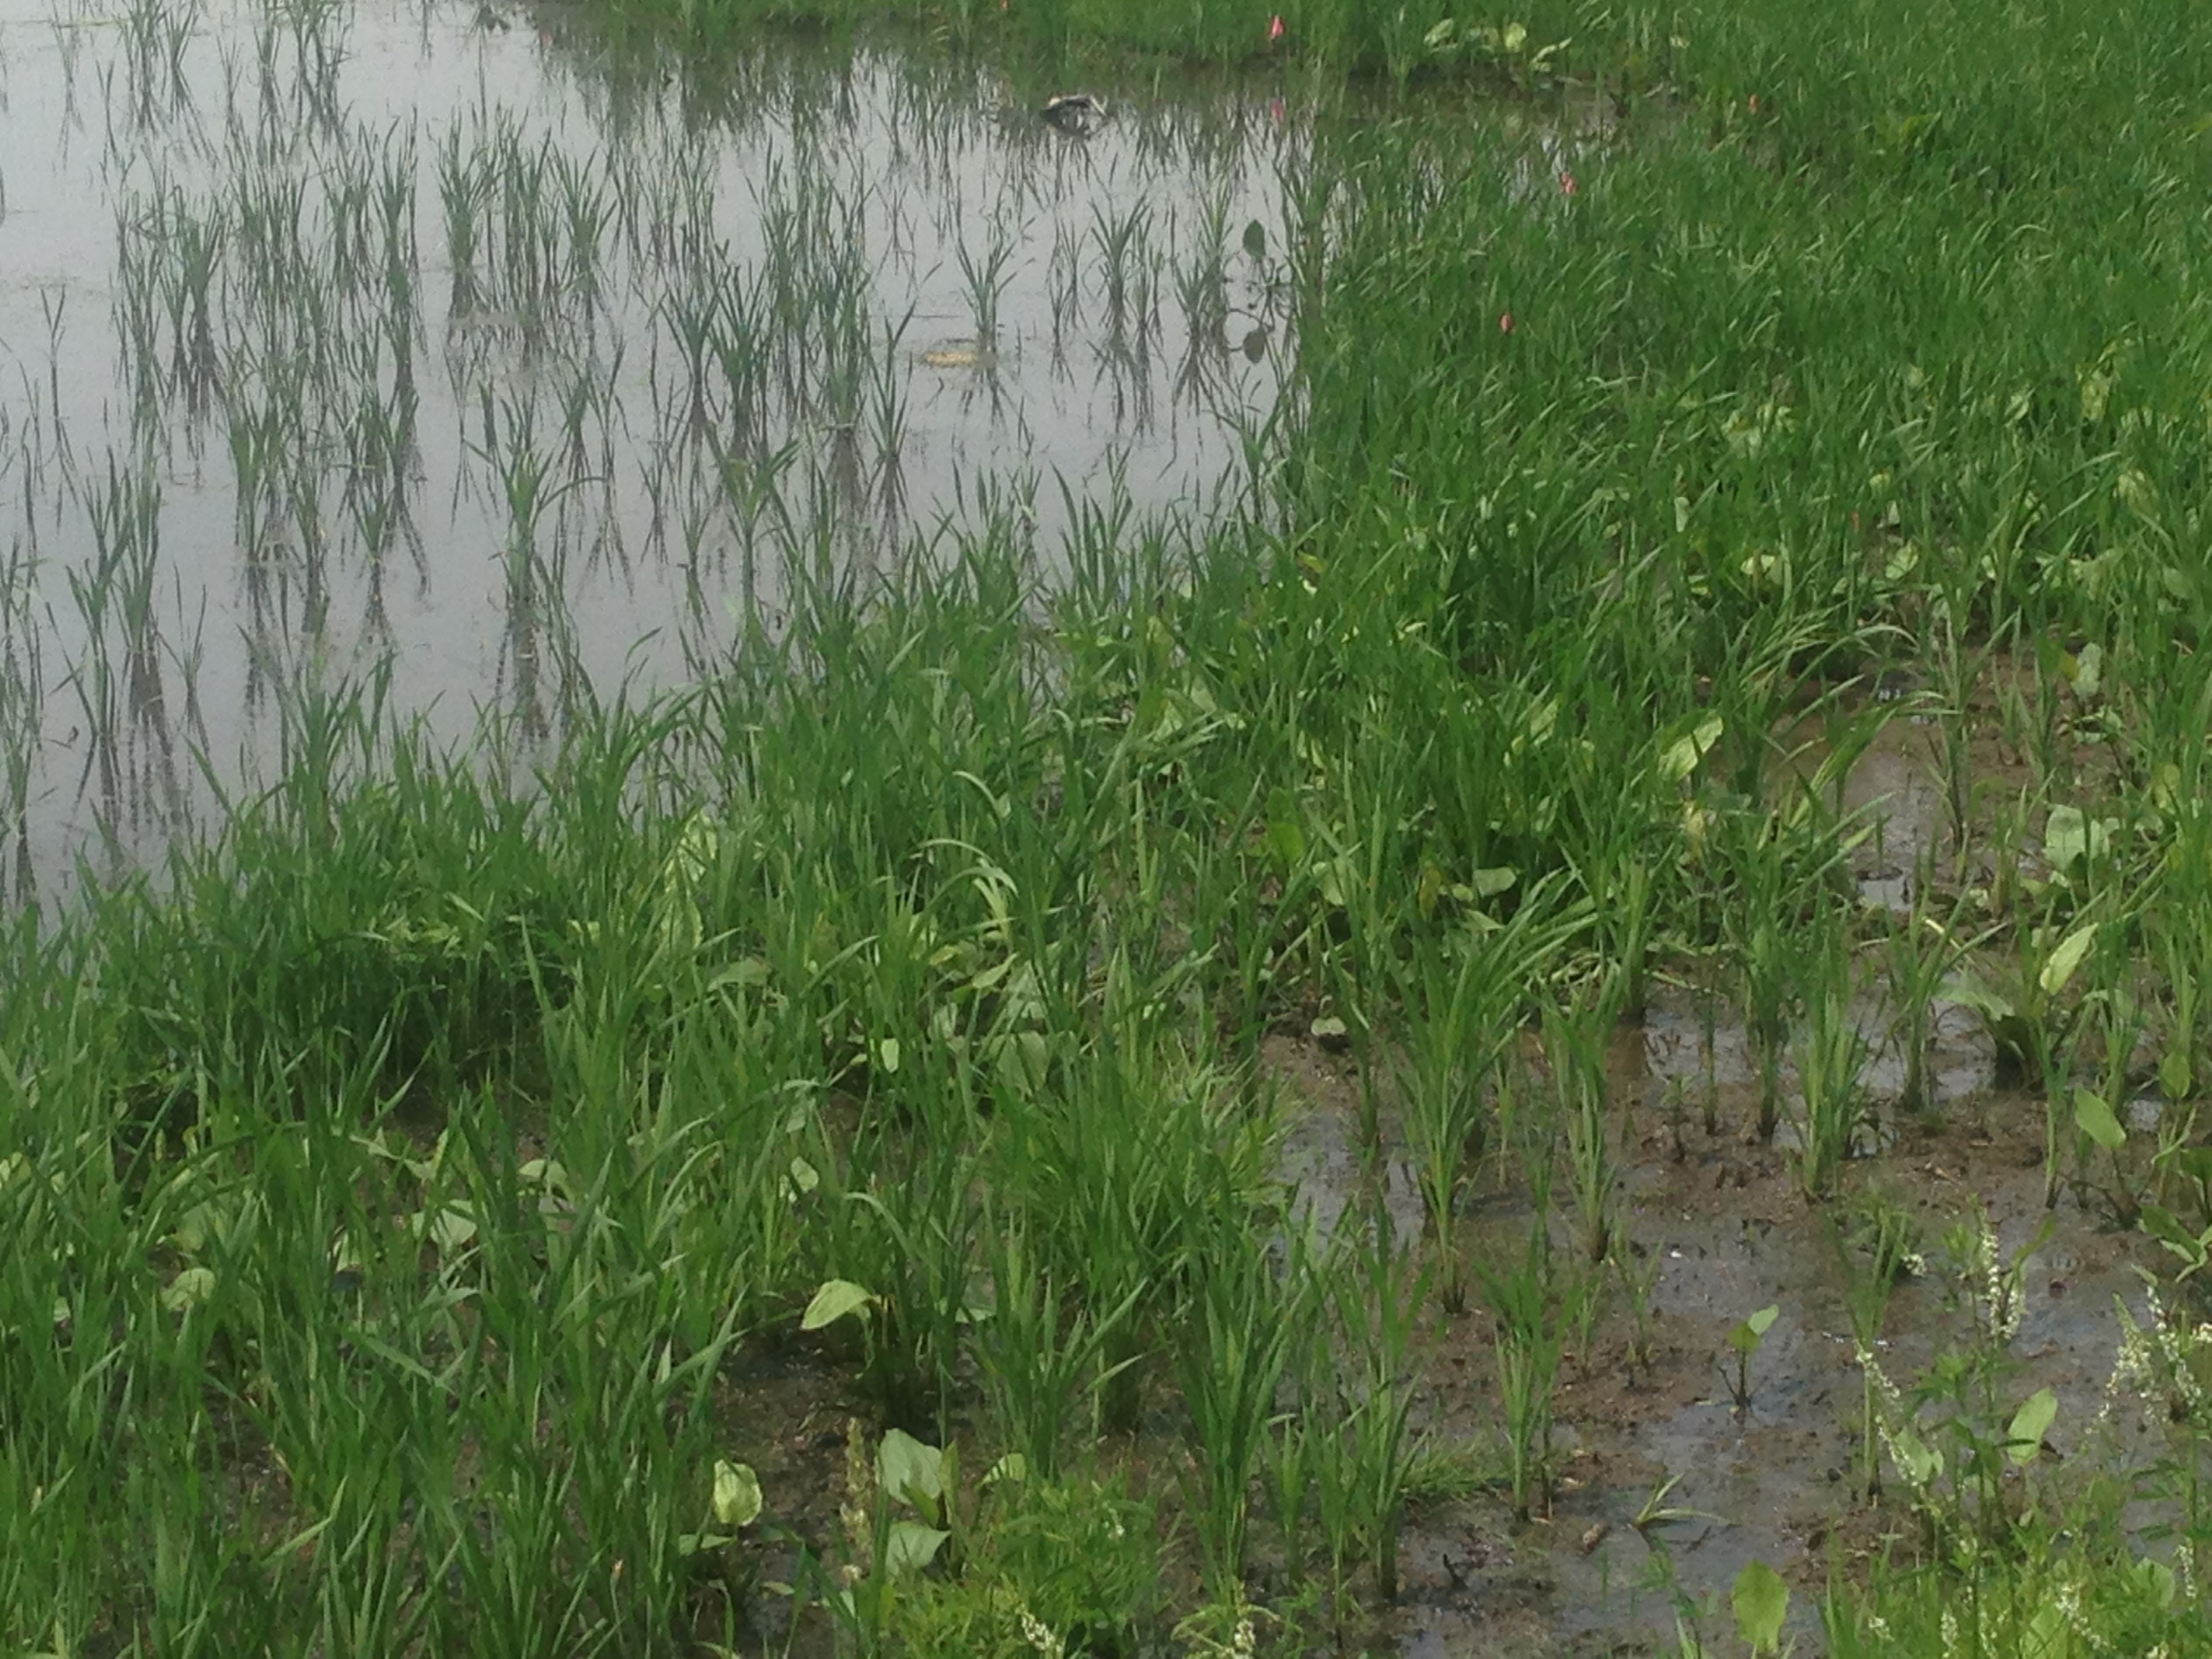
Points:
x=1367, y=834
x=346, y=337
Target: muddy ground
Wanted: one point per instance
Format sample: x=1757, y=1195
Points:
x=1724, y=1229
x=1715, y=1224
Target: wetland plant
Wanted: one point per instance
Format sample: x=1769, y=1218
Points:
x=1876, y=1254
x=1378, y=1296
x=1638, y=1268
x=1959, y=669
x=1832, y=1057
x=1962, y=1443
x=1575, y=1041
x=2098, y=1126
x=2034, y=1024
x=1758, y=922
x=1236, y=1339
x=1744, y=1341
x=986, y=276
x=1922, y=951
x=1526, y=1329
x=496, y=1087
x=1040, y=1362
x=1122, y=248
x=1290, y=1473
x=1760, y=1601
x=1469, y=986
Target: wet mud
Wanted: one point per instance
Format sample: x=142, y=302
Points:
x=1717, y=1224
x=1723, y=1228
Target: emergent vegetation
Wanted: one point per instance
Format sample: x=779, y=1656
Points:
x=817, y=1152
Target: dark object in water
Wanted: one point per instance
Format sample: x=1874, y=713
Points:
x=1075, y=111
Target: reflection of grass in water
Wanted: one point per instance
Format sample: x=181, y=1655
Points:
x=299, y=296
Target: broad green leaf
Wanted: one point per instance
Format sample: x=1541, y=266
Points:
x=189, y=1289
x=887, y=1056
x=1338, y=879
x=1013, y=1467
x=2068, y=836
x=911, y=1471
x=1286, y=836
x=748, y=971
x=1428, y=888
x=2157, y=1580
x=2089, y=667
x=1681, y=757
x=2059, y=966
x=2024, y=1440
x=1762, y=1602
x=2162, y=1224
x=837, y=1299
x=1023, y=1061
x=201, y=1226
x=2195, y=1162
x=2096, y=1121
x=737, y=1494
x=1921, y=1464
x=1971, y=991
x=2047, y=1636
x=545, y=1172
x=2065, y=836
x=1255, y=239
x=1745, y=1338
x=453, y=1228
x=911, y=1546
x=804, y=1177
x=1490, y=882
x=2174, y=1073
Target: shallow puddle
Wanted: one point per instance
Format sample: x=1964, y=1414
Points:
x=1722, y=1228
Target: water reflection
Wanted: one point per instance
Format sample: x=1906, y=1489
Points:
x=346, y=333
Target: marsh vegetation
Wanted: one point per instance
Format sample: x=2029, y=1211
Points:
x=1406, y=851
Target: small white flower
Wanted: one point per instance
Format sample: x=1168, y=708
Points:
x=1039, y=1635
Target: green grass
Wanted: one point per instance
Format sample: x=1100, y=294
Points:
x=390, y=1186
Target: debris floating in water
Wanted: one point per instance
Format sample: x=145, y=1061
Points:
x=1075, y=111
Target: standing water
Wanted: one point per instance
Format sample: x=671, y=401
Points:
x=337, y=337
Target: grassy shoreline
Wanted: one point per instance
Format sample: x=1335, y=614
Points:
x=388, y=1194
